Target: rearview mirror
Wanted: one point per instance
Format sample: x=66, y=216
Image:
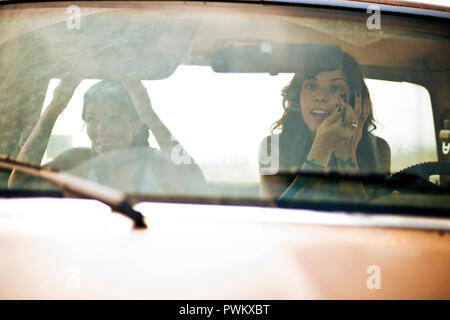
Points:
x=276, y=58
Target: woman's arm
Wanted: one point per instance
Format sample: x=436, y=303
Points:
x=334, y=138
x=66, y=161
x=148, y=116
x=276, y=186
x=34, y=148
x=187, y=169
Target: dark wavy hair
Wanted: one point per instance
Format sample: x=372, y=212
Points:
x=114, y=90
x=295, y=137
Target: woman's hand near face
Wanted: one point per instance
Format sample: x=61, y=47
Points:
x=141, y=101
x=169, y=145
x=148, y=116
x=328, y=135
x=338, y=134
x=351, y=130
x=62, y=95
x=346, y=152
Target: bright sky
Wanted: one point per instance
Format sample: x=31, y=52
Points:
x=221, y=118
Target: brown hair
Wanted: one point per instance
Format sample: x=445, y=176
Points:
x=114, y=90
x=295, y=137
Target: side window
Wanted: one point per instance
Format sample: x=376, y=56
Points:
x=404, y=118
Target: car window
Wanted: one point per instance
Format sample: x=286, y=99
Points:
x=288, y=104
x=403, y=114
x=404, y=117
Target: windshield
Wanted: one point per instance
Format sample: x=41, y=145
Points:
x=236, y=101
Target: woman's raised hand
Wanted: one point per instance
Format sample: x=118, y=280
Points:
x=335, y=128
x=141, y=101
x=326, y=138
x=340, y=132
x=62, y=95
x=148, y=116
x=350, y=127
x=34, y=148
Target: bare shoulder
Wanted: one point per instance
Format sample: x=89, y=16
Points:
x=383, y=146
x=381, y=143
x=384, y=154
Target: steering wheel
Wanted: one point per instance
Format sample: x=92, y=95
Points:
x=420, y=173
x=413, y=181
x=426, y=169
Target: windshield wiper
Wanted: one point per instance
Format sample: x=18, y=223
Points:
x=75, y=186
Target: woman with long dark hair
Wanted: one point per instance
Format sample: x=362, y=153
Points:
x=326, y=125
x=118, y=117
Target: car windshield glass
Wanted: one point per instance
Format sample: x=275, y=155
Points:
x=292, y=104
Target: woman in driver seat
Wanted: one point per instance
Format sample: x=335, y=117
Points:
x=326, y=126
